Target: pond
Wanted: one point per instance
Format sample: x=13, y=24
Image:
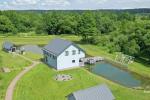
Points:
x=115, y=74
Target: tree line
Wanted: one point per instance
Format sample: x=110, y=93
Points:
x=118, y=31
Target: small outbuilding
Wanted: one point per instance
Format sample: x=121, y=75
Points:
x=8, y=46
x=100, y=92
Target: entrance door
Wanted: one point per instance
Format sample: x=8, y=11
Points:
x=81, y=62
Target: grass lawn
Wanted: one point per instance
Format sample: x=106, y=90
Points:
x=16, y=64
x=39, y=84
x=33, y=56
x=137, y=67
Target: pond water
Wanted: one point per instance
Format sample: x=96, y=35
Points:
x=115, y=74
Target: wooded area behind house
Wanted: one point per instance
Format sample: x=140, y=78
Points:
x=118, y=31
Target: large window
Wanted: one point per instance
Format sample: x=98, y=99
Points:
x=66, y=53
x=73, y=52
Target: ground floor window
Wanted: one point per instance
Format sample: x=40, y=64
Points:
x=73, y=61
x=46, y=60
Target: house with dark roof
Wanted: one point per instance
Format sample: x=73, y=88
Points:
x=8, y=46
x=62, y=54
x=100, y=92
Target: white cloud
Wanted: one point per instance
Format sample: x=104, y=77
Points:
x=23, y=2
x=36, y=2
x=94, y=1
x=55, y=2
x=73, y=4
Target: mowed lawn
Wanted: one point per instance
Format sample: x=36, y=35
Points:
x=14, y=63
x=39, y=84
x=140, y=68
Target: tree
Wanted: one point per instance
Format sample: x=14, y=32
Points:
x=67, y=25
x=104, y=24
x=23, y=22
x=51, y=22
x=87, y=27
x=6, y=25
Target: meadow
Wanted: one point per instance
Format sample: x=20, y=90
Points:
x=39, y=83
x=15, y=64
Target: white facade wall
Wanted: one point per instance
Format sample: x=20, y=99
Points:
x=65, y=62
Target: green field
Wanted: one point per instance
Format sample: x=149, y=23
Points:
x=15, y=64
x=38, y=84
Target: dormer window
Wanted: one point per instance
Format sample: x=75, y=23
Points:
x=73, y=52
x=66, y=53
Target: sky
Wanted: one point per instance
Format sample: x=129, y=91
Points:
x=72, y=4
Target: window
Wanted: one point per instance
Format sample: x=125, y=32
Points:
x=73, y=52
x=49, y=55
x=79, y=51
x=44, y=52
x=46, y=60
x=73, y=61
x=54, y=57
x=80, y=60
x=66, y=53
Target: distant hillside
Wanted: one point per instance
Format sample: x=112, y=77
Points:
x=138, y=10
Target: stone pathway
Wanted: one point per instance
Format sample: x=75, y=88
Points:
x=12, y=85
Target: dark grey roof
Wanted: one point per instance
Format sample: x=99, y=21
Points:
x=57, y=46
x=7, y=45
x=100, y=92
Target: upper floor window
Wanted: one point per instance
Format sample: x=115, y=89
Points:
x=73, y=52
x=79, y=51
x=66, y=53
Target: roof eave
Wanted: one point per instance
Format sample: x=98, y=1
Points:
x=50, y=52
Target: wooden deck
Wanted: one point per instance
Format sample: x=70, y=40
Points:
x=92, y=60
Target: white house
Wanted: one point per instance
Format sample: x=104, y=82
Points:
x=62, y=54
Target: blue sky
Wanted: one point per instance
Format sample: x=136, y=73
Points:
x=72, y=4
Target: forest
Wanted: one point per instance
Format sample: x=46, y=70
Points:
x=125, y=32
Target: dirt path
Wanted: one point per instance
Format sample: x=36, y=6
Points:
x=11, y=87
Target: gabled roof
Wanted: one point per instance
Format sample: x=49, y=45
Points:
x=57, y=46
x=100, y=92
x=7, y=45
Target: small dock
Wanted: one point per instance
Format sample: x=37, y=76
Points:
x=92, y=60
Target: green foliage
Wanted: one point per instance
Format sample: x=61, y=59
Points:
x=119, y=32
x=87, y=26
x=1, y=60
x=5, y=25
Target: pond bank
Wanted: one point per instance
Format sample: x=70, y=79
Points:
x=118, y=75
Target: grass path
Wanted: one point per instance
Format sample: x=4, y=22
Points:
x=11, y=87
